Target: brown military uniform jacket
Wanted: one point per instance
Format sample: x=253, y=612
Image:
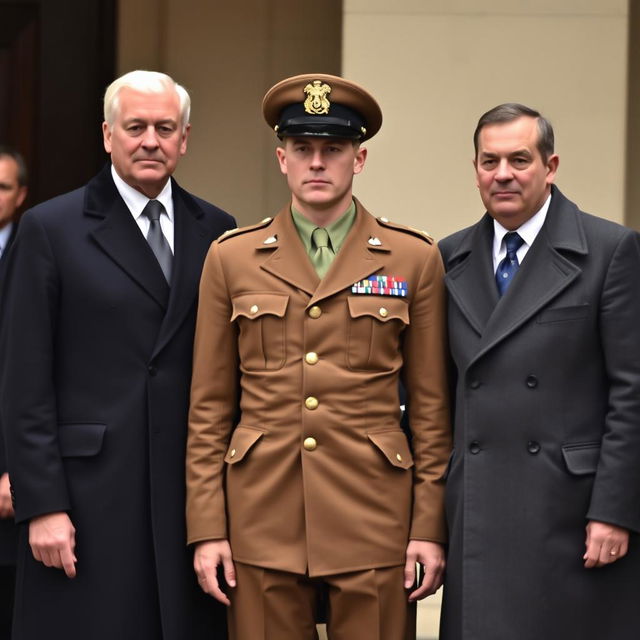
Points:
x=314, y=473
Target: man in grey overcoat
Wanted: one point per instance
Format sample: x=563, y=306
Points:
x=543, y=488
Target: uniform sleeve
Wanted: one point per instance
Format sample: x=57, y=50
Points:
x=213, y=404
x=426, y=382
x=616, y=490
x=28, y=408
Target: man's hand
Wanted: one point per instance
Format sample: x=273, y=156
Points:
x=207, y=558
x=605, y=544
x=431, y=556
x=53, y=541
x=6, y=507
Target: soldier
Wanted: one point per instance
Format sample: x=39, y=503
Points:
x=307, y=321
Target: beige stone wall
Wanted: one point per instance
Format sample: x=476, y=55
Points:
x=227, y=54
x=437, y=65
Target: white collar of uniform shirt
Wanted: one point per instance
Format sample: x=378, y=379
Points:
x=528, y=232
x=5, y=234
x=137, y=201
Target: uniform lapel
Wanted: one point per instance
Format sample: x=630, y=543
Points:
x=119, y=237
x=191, y=243
x=545, y=272
x=285, y=255
x=357, y=258
x=470, y=282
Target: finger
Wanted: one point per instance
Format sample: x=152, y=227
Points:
x=212, y=587
x=229, y=571
x=409, y=572
x=591, y=554
x=430, y=583
x=67, y=561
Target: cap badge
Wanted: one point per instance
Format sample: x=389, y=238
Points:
x=317, y=102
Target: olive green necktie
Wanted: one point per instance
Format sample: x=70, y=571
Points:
x=323, y=255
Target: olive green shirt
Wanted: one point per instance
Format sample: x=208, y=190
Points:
x=337, y=230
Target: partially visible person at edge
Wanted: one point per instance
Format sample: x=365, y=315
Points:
x=13, y=191
x=543, y=493
x=97, y=335
x=311, y=317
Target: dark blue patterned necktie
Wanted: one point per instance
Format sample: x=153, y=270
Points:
x=509, y=265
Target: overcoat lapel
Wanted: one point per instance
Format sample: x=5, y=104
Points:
x=191, y=243
x=470, y=282
x=119, y=237
x=545, y=272
x=357, y=258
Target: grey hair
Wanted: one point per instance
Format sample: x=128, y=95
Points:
x=145, y=82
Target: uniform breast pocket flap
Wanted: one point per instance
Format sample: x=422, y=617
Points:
x=581, y=458
x=80, y=439
x=383, y=309
x=375, y=326
x=242, y=441
x=261, y=321
x=394, y=446
x=564, y=314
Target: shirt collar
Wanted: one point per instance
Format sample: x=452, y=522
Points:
x=527, y=231
x=137, y=201
x=337, y=230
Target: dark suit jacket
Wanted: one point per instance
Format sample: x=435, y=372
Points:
x=8, y=531
x=96, y=386
x=547, y=431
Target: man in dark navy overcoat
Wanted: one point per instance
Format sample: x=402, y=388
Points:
x=97, y=331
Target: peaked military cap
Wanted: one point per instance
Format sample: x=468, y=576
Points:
x=318, y=104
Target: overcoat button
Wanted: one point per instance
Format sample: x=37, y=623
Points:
x=474, y=384
x=315, y=312
x=309, y=444
x=532, y=382
x=311, y=403
x=474, y=447
x=533, y=447
x=152, y=370
x=254, y=308
x=311, y=357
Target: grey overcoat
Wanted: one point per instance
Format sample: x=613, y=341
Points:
x=547, y=432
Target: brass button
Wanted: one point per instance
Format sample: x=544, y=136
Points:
x=309, y=444
x=254, y=308
x=233, y=453
x=311, y=403
x=315, y=312
x=311, y=357
x=383, y=312
x=398, y=457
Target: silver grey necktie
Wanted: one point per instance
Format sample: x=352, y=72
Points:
x=156, y=239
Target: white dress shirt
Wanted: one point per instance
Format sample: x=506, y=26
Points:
x=5, y=234
x=528, y=232
x=137, y=201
